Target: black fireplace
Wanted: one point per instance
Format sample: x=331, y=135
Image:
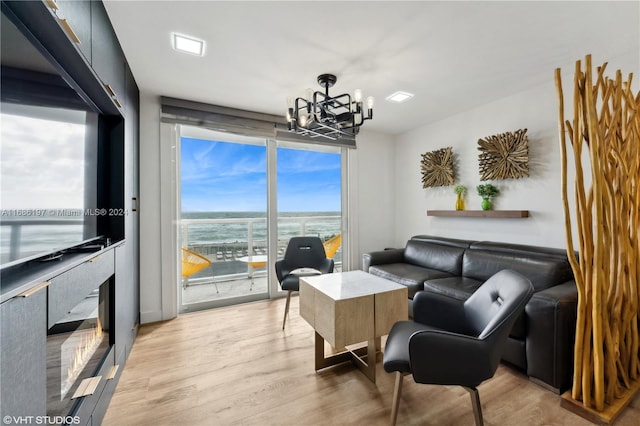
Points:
x=76, y=347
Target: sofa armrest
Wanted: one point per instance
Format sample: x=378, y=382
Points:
x=382, y=257
x=438, y=310
x=551, y=317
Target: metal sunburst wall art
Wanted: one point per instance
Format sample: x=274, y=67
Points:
x=437, y=168
x=504, y=156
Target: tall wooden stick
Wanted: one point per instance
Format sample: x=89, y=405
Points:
x=607, y=211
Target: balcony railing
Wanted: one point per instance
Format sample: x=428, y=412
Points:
x=59, y=232
x=225, y=241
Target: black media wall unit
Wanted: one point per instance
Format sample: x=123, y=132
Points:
x=42, y=303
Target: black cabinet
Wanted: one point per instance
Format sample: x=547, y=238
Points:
x=92, y=408
x=88, y=27
x=23, y=375
x=100, y=409
x=100, y=74
x=132, y=219
x=70, y=288
x=107, y=59
x=77, y=13
x=124, y=299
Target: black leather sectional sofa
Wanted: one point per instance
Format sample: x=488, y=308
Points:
x=542, y=340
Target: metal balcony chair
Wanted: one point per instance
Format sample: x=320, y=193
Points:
x=332, y=245
x=450, y=342
x=193, y=262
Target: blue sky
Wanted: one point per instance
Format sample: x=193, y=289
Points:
x=224, y=176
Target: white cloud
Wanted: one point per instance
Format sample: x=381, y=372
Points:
x=41, y=163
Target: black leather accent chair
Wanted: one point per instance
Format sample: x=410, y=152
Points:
x=450, y=342
x=302, y=252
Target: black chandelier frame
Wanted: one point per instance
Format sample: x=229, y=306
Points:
x=325, y=116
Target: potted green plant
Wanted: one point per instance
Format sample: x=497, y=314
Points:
x=487, y=191
x=460, y=190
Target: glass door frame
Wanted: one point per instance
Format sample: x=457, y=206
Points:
x=207, y=134
x=171, y=298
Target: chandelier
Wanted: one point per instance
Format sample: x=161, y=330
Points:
x=321, y=115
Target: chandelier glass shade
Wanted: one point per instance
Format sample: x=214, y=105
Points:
x=321, y=115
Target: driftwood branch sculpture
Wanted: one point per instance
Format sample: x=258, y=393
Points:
x=606, y=128
x=504, y=156
x=437, y=168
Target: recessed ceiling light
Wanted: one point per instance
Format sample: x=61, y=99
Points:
x=187, y=44
x=398, y=97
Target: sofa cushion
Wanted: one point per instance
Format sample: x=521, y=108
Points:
x=459, y=288
x=542, y=271
x=406, y=274
x=556, y=253
x=444, y=241
x=434, y=256
x=519, y=330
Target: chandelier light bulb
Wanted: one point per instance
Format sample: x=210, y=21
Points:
x=370, y=102
x=303, y=120
x=289, y=102
x=309, y=94
x=357, y=95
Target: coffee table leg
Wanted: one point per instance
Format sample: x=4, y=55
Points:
x=368, y=367
x=319, y=351
x=323, y=361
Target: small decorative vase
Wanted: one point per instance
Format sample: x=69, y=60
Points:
x=460, y=202
x=486, y=203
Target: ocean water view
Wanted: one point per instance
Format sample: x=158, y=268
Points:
x=227, y=237
x=235, y=228
x=213, y=234
x=22, y=237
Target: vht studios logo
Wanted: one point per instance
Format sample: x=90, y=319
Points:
x=41, y=420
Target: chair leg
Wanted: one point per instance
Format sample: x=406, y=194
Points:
x=213, y=279
x=286, y=308
x=475, y=402
x=397, y=393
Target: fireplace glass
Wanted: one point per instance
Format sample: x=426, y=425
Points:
x=76, y=346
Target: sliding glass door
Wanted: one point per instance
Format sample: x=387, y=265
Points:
x=309, y=195
x=240, y=200
x=223, y=219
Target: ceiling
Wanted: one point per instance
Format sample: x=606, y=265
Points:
x=453, y=56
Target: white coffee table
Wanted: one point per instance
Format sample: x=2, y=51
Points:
x=255, y=261
x=351, y=307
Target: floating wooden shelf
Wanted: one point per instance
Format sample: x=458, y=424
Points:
x=501, y=214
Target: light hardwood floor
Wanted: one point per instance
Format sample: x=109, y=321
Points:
x=236, y=365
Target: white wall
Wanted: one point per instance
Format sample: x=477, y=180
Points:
x=372, y=195
x=150, y=259
x=540, y=193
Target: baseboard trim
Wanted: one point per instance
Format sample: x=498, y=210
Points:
x=545, y=385
x=149, y=317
